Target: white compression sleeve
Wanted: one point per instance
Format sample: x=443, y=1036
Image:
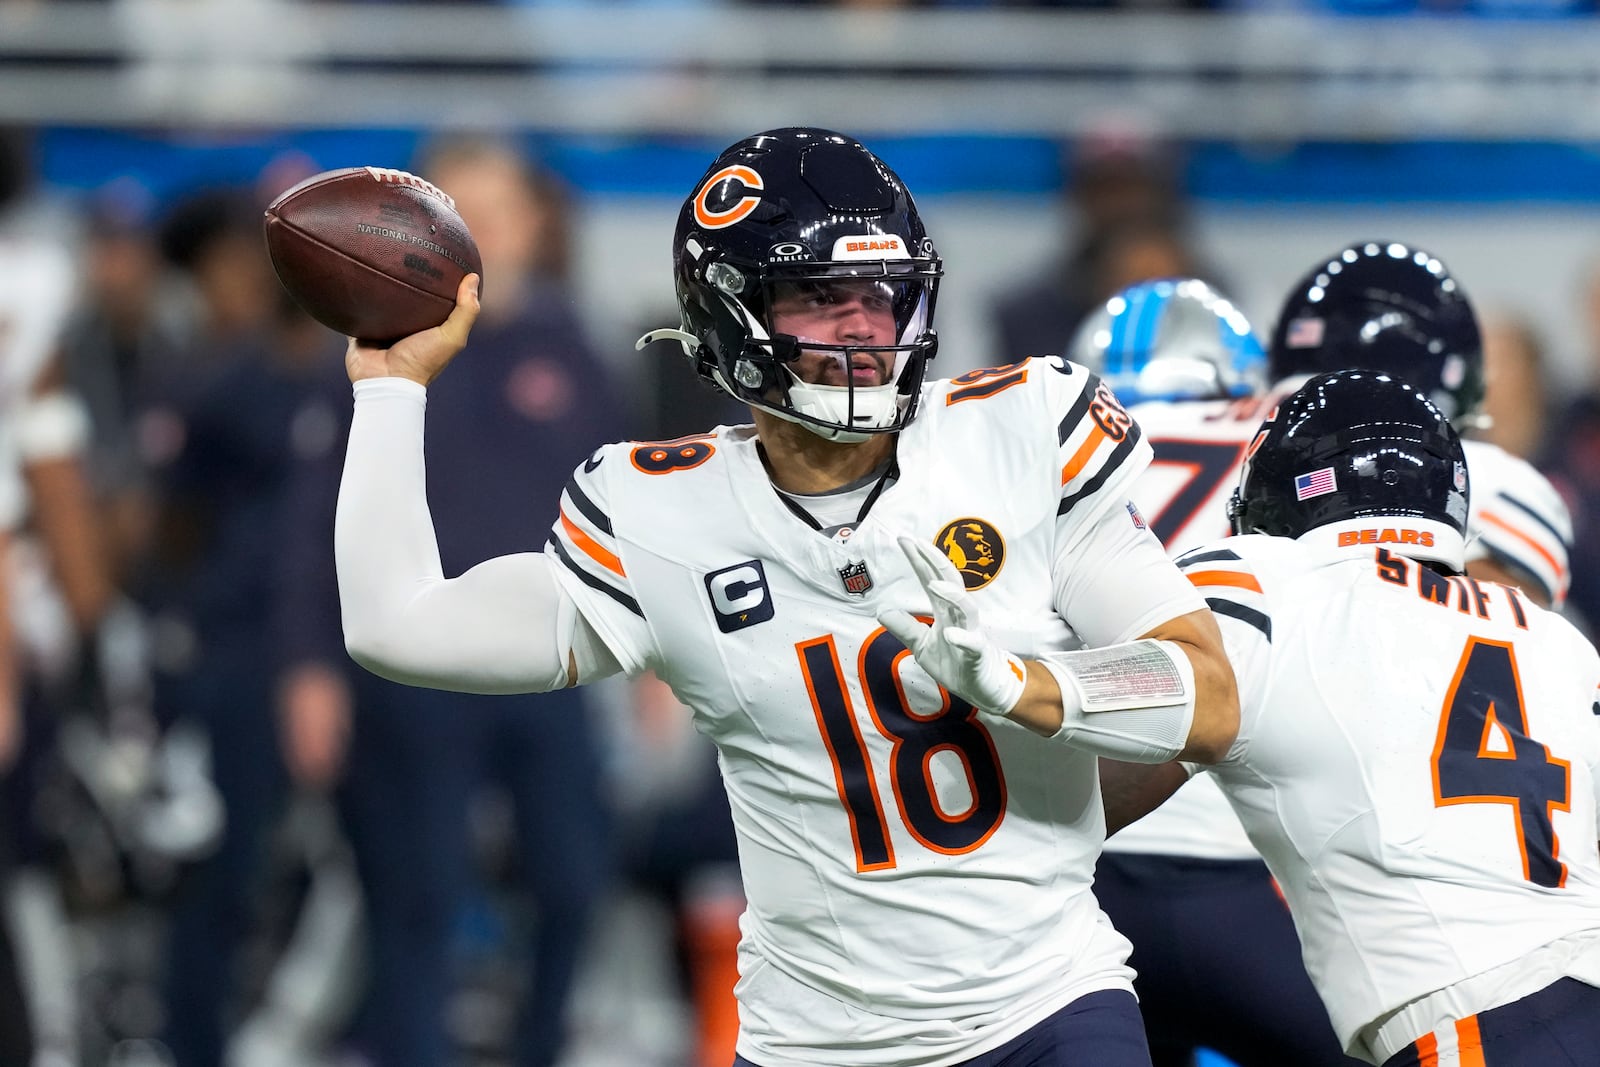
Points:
x=505, y=626
x=1132, y=702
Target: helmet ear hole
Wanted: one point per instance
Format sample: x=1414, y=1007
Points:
x=748, y=374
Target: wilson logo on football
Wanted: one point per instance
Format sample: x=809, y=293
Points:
x=399, y=177
x=975, y=547
x=716, y=219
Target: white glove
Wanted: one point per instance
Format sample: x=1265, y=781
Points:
x=954, y=651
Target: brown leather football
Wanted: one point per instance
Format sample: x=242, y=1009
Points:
x=370, y=252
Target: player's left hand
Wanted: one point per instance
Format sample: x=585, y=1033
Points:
x=955, y=651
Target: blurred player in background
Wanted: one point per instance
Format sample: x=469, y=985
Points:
x=411, y=763
x=1380, y=305
x=1418, y=760
x=1383, y=305
x=16, y=1029
x=1126, y=218
x=1215, y=952
x=56, y=572
x=916, y=860
x=227, y=408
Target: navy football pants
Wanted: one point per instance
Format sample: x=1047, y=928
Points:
x=1218, y=962
x=1100, y=1029
x=1559, y=1026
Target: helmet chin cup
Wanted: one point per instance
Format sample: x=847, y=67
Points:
x=845, y=413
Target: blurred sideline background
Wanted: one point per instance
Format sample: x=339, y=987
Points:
x=1057, y=151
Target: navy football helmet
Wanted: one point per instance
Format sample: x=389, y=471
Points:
x=1171, y=339
x=1358, y=453
x=1385, y=306
x=803, y=210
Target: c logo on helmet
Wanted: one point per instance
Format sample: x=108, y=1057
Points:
x=975, y=547
x=712, y=219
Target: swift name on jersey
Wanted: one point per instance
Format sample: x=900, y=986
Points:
x=1417, y=762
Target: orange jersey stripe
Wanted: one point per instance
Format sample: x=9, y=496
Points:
x=1555, y=565
x=1233, y=578
x=592, y=548
x=1428, y=1050
x=1080, y=458
x=1469, y=1042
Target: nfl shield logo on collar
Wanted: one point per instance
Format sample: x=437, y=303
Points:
x=855, y=578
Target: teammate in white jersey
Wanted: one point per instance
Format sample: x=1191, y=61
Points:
x=1217, y=961
x=1419, y=759
x=1380, y=305
x=916, y=857
x=1384, y=305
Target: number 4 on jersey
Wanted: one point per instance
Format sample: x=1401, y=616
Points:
x=1485, y=756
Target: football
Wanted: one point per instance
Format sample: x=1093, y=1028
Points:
x=370, y=252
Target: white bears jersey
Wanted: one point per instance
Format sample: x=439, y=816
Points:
x=1199, y=447
x=1417, y=761
x=917, y=876
x=1517, y=517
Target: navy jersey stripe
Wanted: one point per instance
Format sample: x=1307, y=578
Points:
x=1191, y=558
x=596, y=583
x=1079, y=408
x=588, y=507
x=1535, y=516
x=1259, y=619
x=1115, y=460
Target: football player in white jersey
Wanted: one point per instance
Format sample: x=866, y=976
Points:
x=1217, y=961
x=1384, y=305
x=916, y=857
x=1380, y=305
x=1418, y=760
